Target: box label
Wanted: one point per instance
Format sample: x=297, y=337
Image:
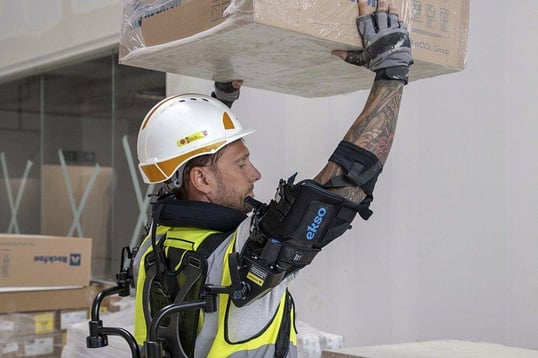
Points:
x=435, y=27
x=44, y=323
x=6, y=326
x=9, y=347
x=433, y=16
x=74, y=259
x=69, y=318
x=141, y=10
x=39, y=346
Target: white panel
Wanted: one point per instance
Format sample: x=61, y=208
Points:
x=35, y=34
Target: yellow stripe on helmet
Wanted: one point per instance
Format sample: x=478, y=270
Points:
x=161, y=171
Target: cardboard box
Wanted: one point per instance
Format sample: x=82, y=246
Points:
x=283, y=45
x=44, y=261
x=69, y=317
x=43, y=346
x=27, y=324
x=44, y=300
x=35, y=323
x=30, y=334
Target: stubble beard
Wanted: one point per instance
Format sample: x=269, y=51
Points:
x=231, y=199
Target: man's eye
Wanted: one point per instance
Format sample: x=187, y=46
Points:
x=242, y=163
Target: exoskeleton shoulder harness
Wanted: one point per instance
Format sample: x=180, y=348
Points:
x=176, y=275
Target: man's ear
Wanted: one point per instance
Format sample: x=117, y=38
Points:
x=201, y=179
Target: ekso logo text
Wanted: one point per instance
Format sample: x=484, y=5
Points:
x=72, y=260
x=312, y=229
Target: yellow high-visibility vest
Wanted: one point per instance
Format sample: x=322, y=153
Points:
x=217, y=344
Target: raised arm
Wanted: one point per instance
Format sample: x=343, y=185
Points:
x=353, y=169
x=287, y=234
x=373, y=130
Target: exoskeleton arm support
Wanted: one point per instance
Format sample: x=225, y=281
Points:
x=288, y=233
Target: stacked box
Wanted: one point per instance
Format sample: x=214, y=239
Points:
x=40, y=262
x=43, y=300
x=33, y=334
x=282, y=45
x=38, y=325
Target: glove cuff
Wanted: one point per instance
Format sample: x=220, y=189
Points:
x=400, y=73
x=225, y=92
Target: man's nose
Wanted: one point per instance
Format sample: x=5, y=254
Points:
x=255, y=174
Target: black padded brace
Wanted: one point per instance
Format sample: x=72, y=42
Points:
x=288, y=233
x=363, y=168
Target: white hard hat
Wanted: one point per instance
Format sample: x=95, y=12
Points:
x=180, y=128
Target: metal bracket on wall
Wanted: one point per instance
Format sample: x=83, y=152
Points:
x=13, y=227
x=77, y=211
x=143, y=201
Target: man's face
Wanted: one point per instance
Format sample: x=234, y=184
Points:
x=234, y=177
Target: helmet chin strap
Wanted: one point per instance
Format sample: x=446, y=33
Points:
x=177, y=179
x=173, y=183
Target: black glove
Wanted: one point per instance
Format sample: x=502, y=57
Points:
x=387, y=48
x=225, y=92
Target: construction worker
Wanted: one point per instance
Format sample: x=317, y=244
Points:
x=194, y=145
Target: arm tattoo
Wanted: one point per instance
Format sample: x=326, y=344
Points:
x=373, y=130
x=375, y=127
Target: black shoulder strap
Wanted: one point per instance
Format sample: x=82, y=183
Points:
x=211, y=242
x=161, y=289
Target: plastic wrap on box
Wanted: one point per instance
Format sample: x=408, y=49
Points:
x=135, y=13
x=311, y=342
x=29, y=335
x=282, y=45
x=75, y=343
x=26, y=324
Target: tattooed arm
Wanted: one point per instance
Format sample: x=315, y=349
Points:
x=387, y=52
x=373, y=130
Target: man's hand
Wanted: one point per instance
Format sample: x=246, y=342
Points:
x=387, y=48
x=227, y=92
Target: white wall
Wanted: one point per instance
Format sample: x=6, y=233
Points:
x=452, y=249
